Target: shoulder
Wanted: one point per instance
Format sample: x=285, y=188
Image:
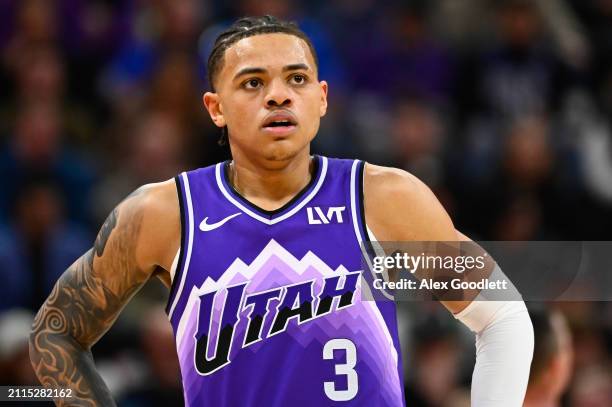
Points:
x=150, y=215
x=158, y=200
x=394, y=183
x=151, y=203
x=399, y=206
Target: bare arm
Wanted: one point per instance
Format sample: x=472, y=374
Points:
x=504, y=334
x=417, y=213
x=88, y=297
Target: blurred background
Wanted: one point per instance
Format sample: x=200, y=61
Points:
x=504, y=108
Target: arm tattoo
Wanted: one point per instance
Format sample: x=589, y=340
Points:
x=81, y=308
x=105, y=231
x=109, y=225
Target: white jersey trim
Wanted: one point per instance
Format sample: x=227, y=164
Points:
x=239, y=205
x=355, y=216
x=183, y=272
x=174, y=265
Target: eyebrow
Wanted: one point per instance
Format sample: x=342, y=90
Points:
x=254, y=70
x=295, y=67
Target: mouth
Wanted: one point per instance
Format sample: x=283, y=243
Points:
x=280, y=123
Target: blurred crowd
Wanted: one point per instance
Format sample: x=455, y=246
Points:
x=504, y=108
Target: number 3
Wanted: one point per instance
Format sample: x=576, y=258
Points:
x=342, y=369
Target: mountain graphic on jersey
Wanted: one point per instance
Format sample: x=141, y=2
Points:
x=294, y=301
x=267, y=307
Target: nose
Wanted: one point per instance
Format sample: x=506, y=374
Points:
x=278, y=95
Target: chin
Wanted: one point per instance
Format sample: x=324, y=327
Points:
x=278, y=155
x=282, y=150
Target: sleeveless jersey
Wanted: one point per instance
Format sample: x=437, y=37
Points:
x=266, y=306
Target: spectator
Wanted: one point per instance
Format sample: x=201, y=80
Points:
x=552, y=359
x=37, y=147
x=43, y=242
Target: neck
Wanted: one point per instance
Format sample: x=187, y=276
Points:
x=271, y=186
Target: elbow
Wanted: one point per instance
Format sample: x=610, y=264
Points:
x=521, y=329
x=46, y=330
x=44, y=341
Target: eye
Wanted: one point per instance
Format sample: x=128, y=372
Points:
x=298, y=79
x=252, y=84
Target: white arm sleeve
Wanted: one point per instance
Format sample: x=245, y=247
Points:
x=504, y=348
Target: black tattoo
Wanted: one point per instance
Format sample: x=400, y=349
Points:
x=109, y=225
x=105, y=231
x=82, y=306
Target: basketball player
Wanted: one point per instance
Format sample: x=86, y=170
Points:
x=262, y=254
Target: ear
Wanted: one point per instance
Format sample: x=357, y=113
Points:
x=323, y=108
x=213, y=105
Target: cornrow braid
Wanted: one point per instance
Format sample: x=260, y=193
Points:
x=248, y=27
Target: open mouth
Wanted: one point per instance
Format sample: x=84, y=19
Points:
x=279, y=123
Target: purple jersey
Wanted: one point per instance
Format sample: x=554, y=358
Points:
x=266, y=305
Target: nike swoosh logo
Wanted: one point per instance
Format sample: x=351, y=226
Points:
x=207, y=227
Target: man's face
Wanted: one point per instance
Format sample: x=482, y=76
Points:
x=269, y=96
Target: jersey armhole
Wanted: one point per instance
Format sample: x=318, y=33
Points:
x=174, y=264
x=369, y=248
x=378, y=251
x=177, y=264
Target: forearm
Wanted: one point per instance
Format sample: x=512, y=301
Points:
x=78, y=311
x=64, y=329
x=60, y=361
x=504, y=348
